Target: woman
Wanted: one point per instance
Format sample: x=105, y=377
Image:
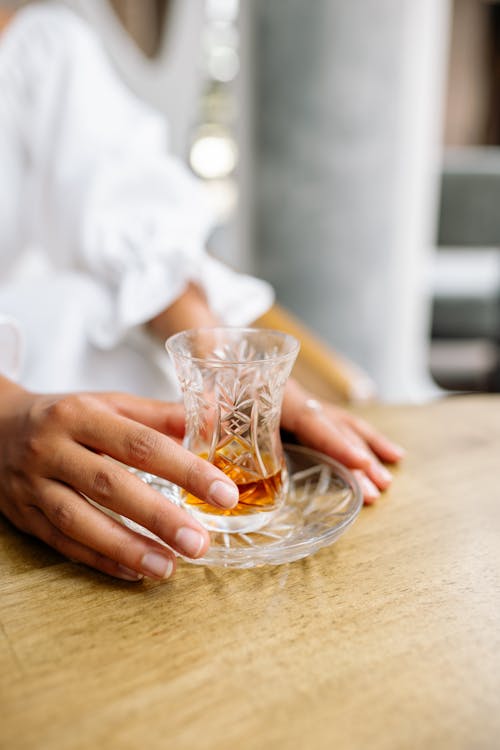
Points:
x=102, y=238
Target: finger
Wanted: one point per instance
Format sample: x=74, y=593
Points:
x=143, y=448
x=84, y=533
x=328, y=431
x=44, y=530
x=113, y=487
x=376, y=471
x=166, y=417
x=384, y=448
x=368, y=489
x=314, y=428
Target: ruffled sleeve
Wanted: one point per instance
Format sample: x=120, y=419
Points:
x=10, y=347
x=104, y=197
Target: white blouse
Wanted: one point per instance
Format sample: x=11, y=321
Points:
x=10, y=347
x=100, y=229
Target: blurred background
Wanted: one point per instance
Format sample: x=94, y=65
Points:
x=352, y=152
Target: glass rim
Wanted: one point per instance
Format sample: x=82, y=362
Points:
x=294, y=342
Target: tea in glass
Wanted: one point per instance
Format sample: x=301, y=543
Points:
x=233, y=381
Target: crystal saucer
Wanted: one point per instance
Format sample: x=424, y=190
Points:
x=323, y=500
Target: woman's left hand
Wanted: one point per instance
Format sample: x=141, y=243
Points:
x=343, y=436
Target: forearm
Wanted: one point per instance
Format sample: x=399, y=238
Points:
x=190, y=310
x=14, y=400
x=10, y=393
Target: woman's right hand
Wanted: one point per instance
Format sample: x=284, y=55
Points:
x=54, y=450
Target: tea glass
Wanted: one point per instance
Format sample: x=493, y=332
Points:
x=233, y=381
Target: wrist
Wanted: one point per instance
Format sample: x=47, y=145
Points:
x=190, y=310
x=11, y=395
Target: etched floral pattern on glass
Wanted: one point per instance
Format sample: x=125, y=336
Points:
x=233, y=382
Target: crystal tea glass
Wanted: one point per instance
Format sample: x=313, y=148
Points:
x=233, y=380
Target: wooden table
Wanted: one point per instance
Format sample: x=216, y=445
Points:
x=388, y=639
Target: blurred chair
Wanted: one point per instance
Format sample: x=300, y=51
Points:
x=319, y=368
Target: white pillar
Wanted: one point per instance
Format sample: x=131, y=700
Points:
x=347, y=109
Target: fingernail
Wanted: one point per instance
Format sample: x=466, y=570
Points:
x=383, y=474
x=369, y=489
x=223, y=494
x=189, y=541
x=128, y=574
x=157, y=565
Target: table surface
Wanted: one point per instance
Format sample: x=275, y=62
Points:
x=390, y=638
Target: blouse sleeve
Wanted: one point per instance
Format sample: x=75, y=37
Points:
x=103, y=196
x=10, y=347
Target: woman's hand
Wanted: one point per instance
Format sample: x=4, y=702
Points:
x=341, y=435
x=54, y=450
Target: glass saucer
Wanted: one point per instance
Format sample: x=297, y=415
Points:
x=323, y=500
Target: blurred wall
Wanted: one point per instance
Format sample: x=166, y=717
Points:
x=469, y=79
x=348, y=121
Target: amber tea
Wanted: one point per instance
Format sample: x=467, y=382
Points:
x=257, y=494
